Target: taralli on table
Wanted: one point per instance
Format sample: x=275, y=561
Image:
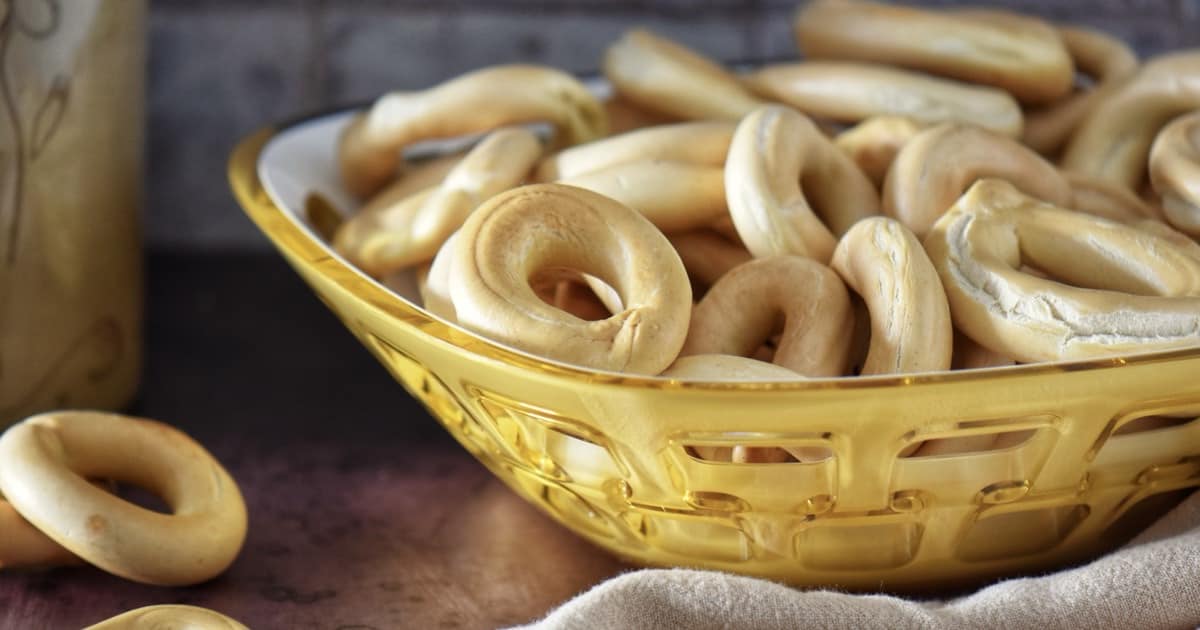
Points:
x=384, y=238
x=23, y=546
x=168, y=617
x=1113, y=141
x=751, y=302
x=1148, y=298
x=703, y=143
x=778, y=162
x=707, y=255
x=874, y=143
x=851, y=92
x=1175, y=172
x=674, y=196
x=1022, y=55
x=520, y=232
x=369, y=149
x=663, y=76
x=1104, y=58
x=46, y=460
x=884, y=263
x=939, y=164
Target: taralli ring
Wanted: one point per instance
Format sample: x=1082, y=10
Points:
x=1113, y=142
x=851, y=92
x=747, y=305
x=663, y=76
x=777, y=162
x=168, y=616
x=1103, y=57
x=674, y=196
x=727, y=367
x=939, y=164
x=702, y=143
x=1096, y=304
x=874, y=143
x=883, y=262
x=45, y=463
x=383, y=237
x=524, y=231
x=1175, y=172
x=22, y=545
x=1022, y=55
x=479, y=101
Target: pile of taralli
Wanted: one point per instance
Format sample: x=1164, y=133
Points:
x=882, y=207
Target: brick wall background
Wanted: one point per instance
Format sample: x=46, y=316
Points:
x=221, y=68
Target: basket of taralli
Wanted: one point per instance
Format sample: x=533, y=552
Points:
x=882, y=318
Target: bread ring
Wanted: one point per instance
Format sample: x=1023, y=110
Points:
x=479, y=101
x=435, y=291
x=383, y=238
x=664, y=76
x=1113, y=141
x=197, y=541
x=938, y=164
x=883, y=262
x=415, y=177
x=625, y=116
x=874, y=143
x=167, y=616
x=748, y=304
x=1175, y=172
x=521, y=231
x=1104, y=58
x=703, y=143
x=707, y=255
x=777, y=160
x=1141, y=290
x=1022, y=55
x=1110, y=201
x=726, y=367
x=969, y=355
x=674, y=196
x=22, y=545
x=850, y=92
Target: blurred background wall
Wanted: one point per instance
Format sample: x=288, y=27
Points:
x=222, y=68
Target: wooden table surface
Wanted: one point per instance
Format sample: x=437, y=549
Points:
x=363, y=513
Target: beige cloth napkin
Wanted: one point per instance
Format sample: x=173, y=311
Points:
x=1153, y=582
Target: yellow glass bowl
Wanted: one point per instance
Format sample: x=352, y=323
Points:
x=608, y=455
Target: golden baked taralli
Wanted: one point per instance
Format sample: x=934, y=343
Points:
x=384, y=237
x=1022, y=55
x=674, y=196
x=727, y=367
x=851, y=92
x=707, y=255
x=1113, y=141
x=526, y=230
x=368, y=152
x=778, y=163
x=1098, y=304
x=938, y=164
x=884, y=263
x=1175, y=172
x=751, y=302
x=874, y=143
x=168, y=617
x=702, y=143
x=22, y=545
x=664, y=76
x=45, y=464
x=1104, y=58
